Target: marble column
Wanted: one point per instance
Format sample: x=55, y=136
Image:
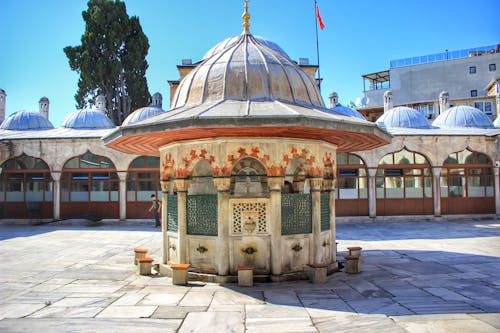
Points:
x=329, y=186
x=122, y=196
x=165, y=186
x=436, y=190
x=222, y=242
x=496, y=173
x=316, y=184
x=182, y=188
x=372, y=193
x=275, y=184
x=56, y=193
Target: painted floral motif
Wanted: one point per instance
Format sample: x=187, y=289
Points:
x=167, y=167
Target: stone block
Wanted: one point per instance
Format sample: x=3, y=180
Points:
x=139, y=253
x=318, y=273
x=352, y=265
x=144, y=266
x=180, y=273
x=245, y=276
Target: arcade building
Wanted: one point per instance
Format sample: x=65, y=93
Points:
x=252, y=168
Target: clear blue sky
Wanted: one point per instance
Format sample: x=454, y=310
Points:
x=361, y=36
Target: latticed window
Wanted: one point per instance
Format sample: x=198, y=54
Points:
x=25, y=179
x=143, y=178
x=352, y=181
x=202, y=214
x=404, y=174
x=467, y=174
x=296, y=214
x=89, y=177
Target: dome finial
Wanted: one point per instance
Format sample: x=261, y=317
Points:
x=246, y=19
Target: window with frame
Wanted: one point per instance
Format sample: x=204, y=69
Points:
x=143, y=178
x=25, y=178
x=492, y=67
x=352, y=181
x=403, y=174
x=467, y=174
x=472, y=70
x=88, y=178
x=486, y=107
x=473, y=93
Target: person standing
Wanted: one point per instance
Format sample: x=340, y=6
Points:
x=156, y=208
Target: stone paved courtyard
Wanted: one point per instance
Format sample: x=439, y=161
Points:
x=417, y=277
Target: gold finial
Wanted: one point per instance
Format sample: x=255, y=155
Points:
x=246, y=19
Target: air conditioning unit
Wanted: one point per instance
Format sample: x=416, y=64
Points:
x=497, y=164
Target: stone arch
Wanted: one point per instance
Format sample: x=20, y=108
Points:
x=202, y=179
x=249, y=178
x=26, y=188
x=89, y=186
x=296, y=174
x=467, y=183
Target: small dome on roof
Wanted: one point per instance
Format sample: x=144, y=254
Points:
x=26, y=120
x=496, y=123
x=226, y=43
x=402, y=116
x=463, y=116
x=347, y=111
x=142, y=113
x=87, y=119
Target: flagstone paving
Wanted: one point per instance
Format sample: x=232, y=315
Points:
x=417, y=277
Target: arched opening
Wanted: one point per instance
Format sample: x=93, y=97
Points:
x=249, y=179
x=467, y=184
x=404, y=184
x=26, y=189
x=201, y=204
x=143, y=180
x=352, y=186
x=89, y=187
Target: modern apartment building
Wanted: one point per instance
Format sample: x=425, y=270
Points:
x=471, y=77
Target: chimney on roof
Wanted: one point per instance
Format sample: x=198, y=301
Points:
x=334, y=99
x=388, y=102
x=3, y=95
x=444, y=101
x=43, y=104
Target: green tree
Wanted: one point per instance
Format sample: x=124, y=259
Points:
x=111, y=59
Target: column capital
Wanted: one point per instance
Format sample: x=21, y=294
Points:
x=56, y=175
x=165, y=186
x=222, y=183
x=372, y=172
x=122, y=175
x=328, y=184
x=436, y=171
x=275, y=183
x=315, y=183
x=182, y=184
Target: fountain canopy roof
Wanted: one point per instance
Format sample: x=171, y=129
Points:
x=247, y=89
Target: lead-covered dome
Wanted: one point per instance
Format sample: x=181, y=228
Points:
x=247, y=71
x=87, y=119
x=26, y=120
x=228, y=42
x=402, y=116
x=141, y=114
x=463, y=116
x=345, y=110
x=496, y=123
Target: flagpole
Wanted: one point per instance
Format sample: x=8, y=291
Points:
x=317, y=42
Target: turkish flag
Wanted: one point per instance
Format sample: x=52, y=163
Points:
x=320, y=20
